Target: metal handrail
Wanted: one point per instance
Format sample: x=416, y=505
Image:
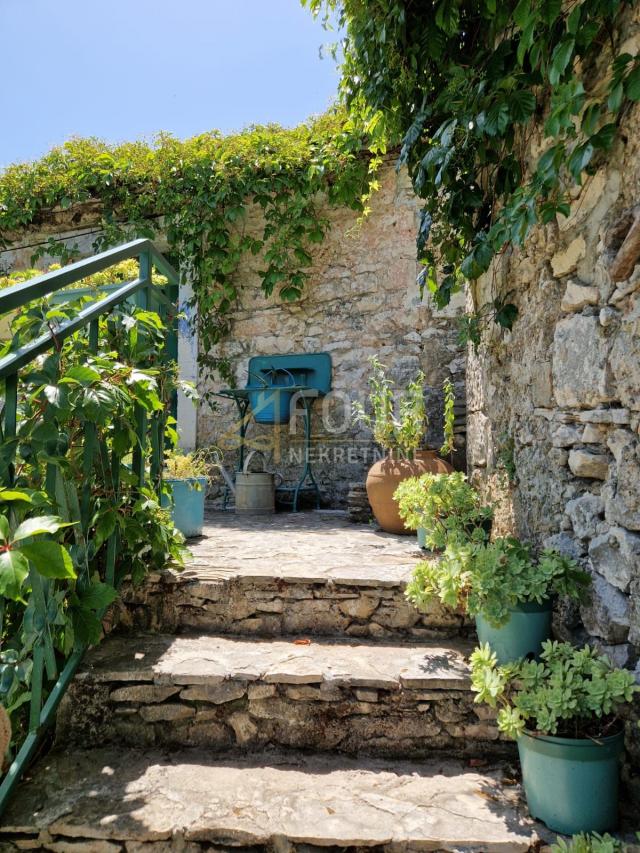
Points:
x=41, y=715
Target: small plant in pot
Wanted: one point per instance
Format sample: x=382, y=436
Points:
x=443, y=508
x=402, y=436
x=507, y=590
x=187, y=476
x=563, y=710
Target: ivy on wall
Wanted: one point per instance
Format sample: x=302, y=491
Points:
x=198, y=191
x=463, y=85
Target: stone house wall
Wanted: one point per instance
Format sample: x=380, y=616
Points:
x=362, y=300
x=554, y=405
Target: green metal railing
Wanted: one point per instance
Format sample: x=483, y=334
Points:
x=161, y=298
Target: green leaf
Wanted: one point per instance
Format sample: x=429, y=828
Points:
x=105, y=526
x=632, y=84
x=51, y=559
x=98, y=596
x=5, y=531
x=55, y=396
x=37, y=526
x=506, y=315
x=81, y=375
x=13, y=570
x=86, y=625
x=13, y=495
x=560, y=59
x=497, y=119
x=614, y=101
x=523, y=13
x=603, y=139
x=579, y=160
x=574, y=20
x=522, y=104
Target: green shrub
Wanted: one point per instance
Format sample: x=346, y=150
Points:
x=569, y=692
x=489, y=579
x=446, y=506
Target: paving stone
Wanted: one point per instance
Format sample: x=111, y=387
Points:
x=144, y=693
x=278, y=801
x=169, y=712
x=217, y=694
x=210, y=661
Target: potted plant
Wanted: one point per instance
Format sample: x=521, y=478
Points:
x=187, y=476
x=501, y=584
x=563, y=710
x=443, y=508
x=402, y=435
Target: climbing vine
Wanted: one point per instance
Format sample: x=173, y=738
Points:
x=462, y=86
x=198, y=192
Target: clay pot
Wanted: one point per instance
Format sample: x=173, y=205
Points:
x=383, y=479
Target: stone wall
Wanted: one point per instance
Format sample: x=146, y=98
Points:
x=362, y=300
x=557, y=400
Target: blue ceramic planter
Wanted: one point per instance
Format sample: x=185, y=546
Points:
x=187, y=504
x=528, y=627
x=571, y=785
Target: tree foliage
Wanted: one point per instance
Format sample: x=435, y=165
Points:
x=463, y=86
x=199, y=192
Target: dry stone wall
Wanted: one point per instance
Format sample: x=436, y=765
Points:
x=363, y=300
x=554, y=406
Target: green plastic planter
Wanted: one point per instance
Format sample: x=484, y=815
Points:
x=528, y=627
x=572, y=784
x=187, y=504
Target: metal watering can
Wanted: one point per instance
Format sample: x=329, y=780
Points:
x=255, y=491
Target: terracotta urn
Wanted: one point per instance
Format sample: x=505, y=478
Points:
x=385, y=475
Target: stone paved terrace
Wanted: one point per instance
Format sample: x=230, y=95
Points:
x=279, y=695
x=312, y=546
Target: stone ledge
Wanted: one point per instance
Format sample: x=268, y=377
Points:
x=220, y=693
x=303, y=573
x=206, y=659
x=272, y=801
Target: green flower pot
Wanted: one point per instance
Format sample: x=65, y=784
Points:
x=572, y=784
x=528, y=627
x=187, y=504
x=421, y=533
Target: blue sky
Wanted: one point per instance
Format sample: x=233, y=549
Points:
x=124, y=69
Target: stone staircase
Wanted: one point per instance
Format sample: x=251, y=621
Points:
x=270, y=698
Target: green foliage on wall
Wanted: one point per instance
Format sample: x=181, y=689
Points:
x=198, y=193
x=464, y=86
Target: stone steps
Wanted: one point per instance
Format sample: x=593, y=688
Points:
x=322, y=577
x=111, y=800
x=223, y=692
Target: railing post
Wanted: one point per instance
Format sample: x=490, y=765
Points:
x=11, y=415
x=141, y=419
x=89, y=441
